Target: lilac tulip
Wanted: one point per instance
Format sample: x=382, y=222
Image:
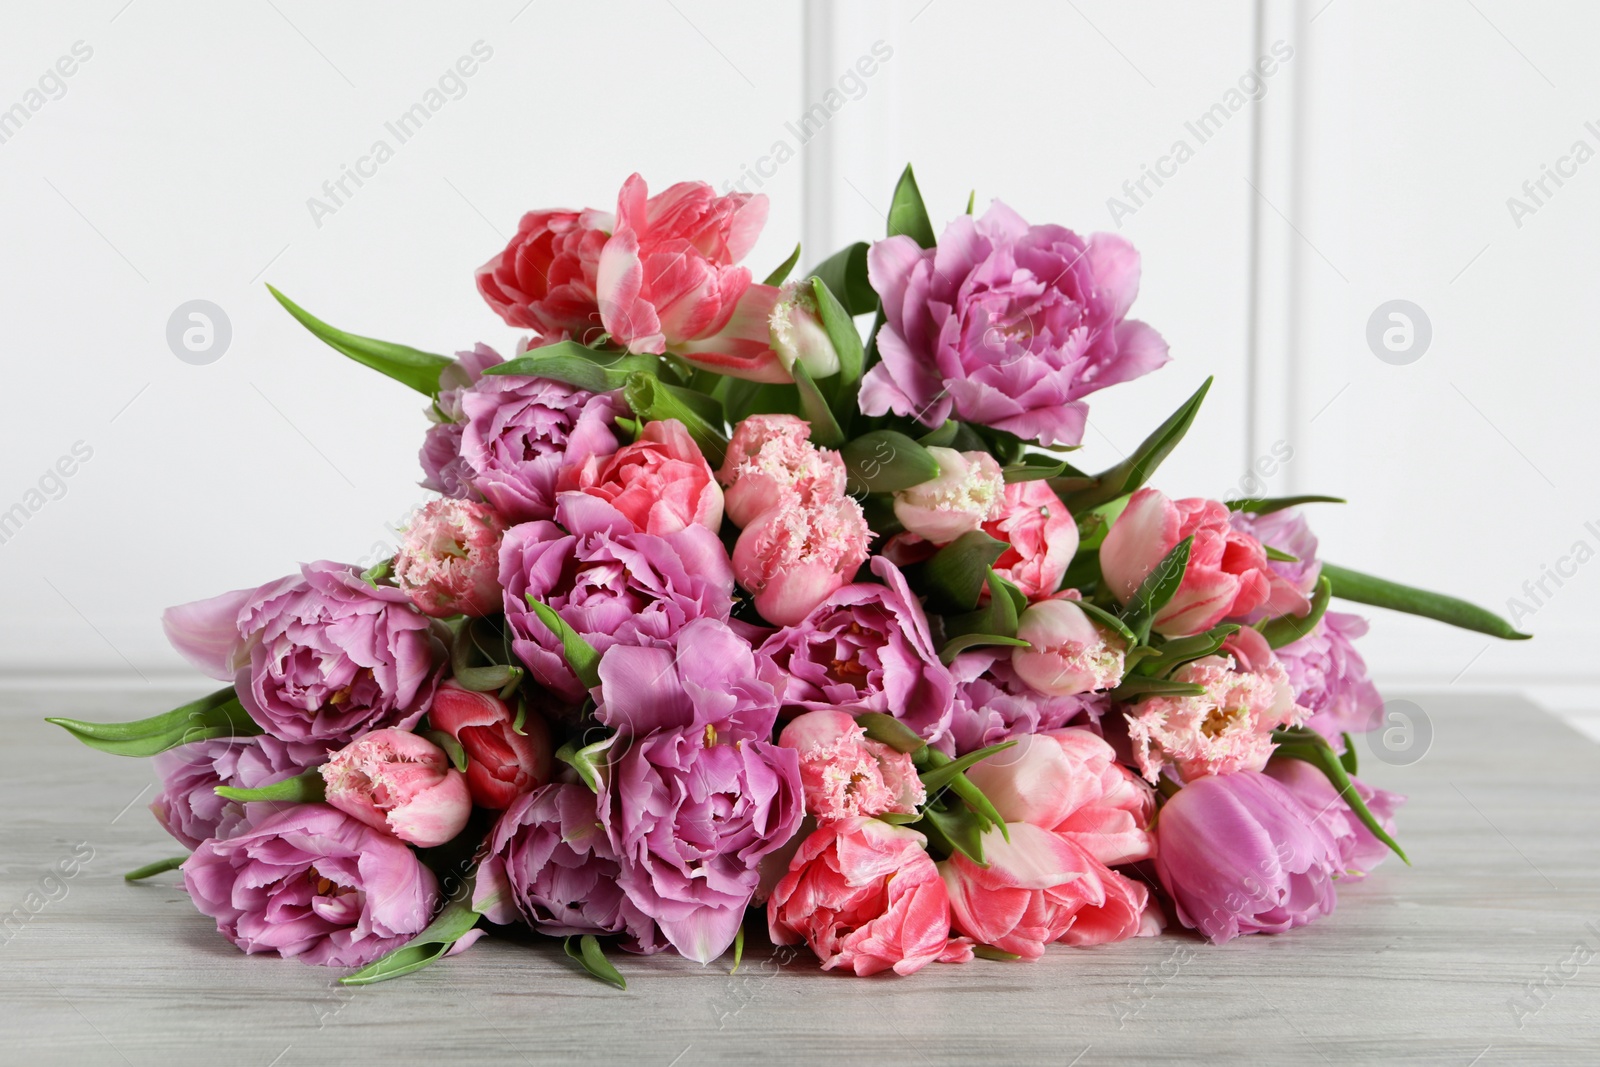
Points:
x=319, y=656
x=312, y=883
x=551, y=865
x=188, y=807
x=1359, y=850
x=868, y=648
x=442, y=467
x=1006, y=325
x=610, y=583
x=1240, y=854
x=993, y=702
x=1329, y=676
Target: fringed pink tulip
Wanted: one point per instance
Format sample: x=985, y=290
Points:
x=1067, y=653
x=400, y=783
x=450, y=561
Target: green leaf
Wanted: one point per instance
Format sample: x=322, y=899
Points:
x=996, y=619
x=845, y=275
x=907, y=214
x=1305, y=744
x=381, y=571
x=1266, y=505
x=452, y=924
x=306, y=788
x=580, y=654
x=592, y=959
x=885, y=461
x=957, y=572
x=409, y=366
x=942, y=436
x=1287, y=629
x=814, y=409
x=578, y=365
x=218, y=714
x=1347, y=758
x=1034, y=468
x=452, y=747
x=945, y=770
x=738, y=950
x=1135, y=689
x=989, y=952
x=841, y=331
x=1157, y=589
x=582, y=760
x=1279, y=555
x=957, y=645
x=652, y=400
x=151, y=869
x=779, y=275
x=890, y=731
x=1380, y=593
x=956, y=829
x=1175, y=652
x=972, y=198
x=1136, y=469
x=1108, y=620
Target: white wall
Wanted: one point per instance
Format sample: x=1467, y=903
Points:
x=178, y=163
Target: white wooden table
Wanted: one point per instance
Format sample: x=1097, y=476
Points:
x=1418, y=965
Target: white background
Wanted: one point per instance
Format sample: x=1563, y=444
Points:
x=1376, y=165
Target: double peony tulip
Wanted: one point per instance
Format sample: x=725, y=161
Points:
x=661, y=482
x=188, y=806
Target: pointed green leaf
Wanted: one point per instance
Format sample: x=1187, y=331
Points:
x=907, y=214
x=1305, y=744
x=814, y=409
x=306, y=788
x=781, y=273
x=957, y=645
x=583, y=760
x=1134, y=471
x=152, y=869
x=1109, y=621
x=380, y=572
x=592, y=959
x=942, y=436
x=451, y=747
x=1347, y=758
x=845, y=274
x=1034, y=468
x=1266, y=505
x=577, y=365
x=989, y=952
x=1157, y=589
x=409, y=366
x=580, y=654
x=1175, y=652
x=1287, y=629
x=1380, y=593
x=652, y=400
x=995, y=619
x=452, y=924
x=1134, y=689
x=885, y=461
x=841, y=331
x=972, y=198
x=1279, y=555
x=956, y=574
x=945, y=770
x=890, y=731
x=956, y=829
x=218, y=714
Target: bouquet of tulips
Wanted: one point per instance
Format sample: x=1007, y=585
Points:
x=781, y=596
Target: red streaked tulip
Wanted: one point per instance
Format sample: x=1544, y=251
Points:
x=501, y=763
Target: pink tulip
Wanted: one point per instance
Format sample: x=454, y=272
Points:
x=770, y=458
x=966, y=494
x=666, y=280
x=1226, y=729
x=450, y=561
x=1041, y=538
x=866, y=897
x=1069, y=781
x=845, y=773
x=400, y=783
x=661, y=482
x=796, y=555
x=544, y=278
x=1027, y=896
x=1067, y=653
x=502, y=764
x=1126, y=911
x=1227, y=573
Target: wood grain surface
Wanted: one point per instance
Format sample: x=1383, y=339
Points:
x=1419, y=965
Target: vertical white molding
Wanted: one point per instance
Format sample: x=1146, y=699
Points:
x=1275, y=247
x=817, y=154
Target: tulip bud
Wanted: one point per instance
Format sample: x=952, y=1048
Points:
x=501, y=763
x=400, y=783
x=968, y=492
x=1067, y=652
x=450, y=562
x=798, y=334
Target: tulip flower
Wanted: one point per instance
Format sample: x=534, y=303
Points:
x=967, y=493
x=1068, y=653
x=502, y=764
x=400, y=783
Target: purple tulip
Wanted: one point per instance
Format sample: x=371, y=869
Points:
x=992, y=703
x=868, y=648
x=442, y=467
x=551, y=865
x=610, y=583
x=1359, y=850
x=319, y=656
x=1240, y=854
x=1006, y=324
x=1329, y=676
x=696, y=793
x=312, y=883
x=521, y=433
x=1287, y=531
x=188, y=807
